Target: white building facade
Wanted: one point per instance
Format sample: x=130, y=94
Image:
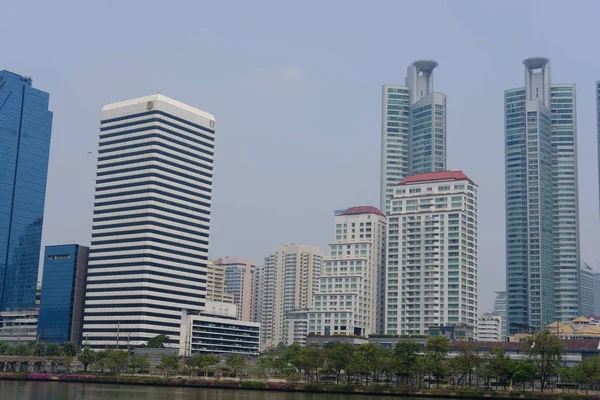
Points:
x=413, y=129
x=217, y=330
x=288, y=278
x=489, y=328
x=148, y=254
x=349, y=296
x=432, y=262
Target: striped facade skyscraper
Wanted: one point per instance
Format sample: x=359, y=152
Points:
x=542, y=213
x=413, y=129
x=150, y=230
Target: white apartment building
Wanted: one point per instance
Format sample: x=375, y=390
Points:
x=489, y=328
x=432, y=253
x=349, y=296
x=289, y=277
x=296, y=327
x=151, y=220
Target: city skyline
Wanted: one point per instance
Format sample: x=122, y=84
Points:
x=292, y=85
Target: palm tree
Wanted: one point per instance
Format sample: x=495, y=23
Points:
x=39, y=349
x=86, y=356
x=69, y=349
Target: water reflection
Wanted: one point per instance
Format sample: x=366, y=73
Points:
x=81, y=391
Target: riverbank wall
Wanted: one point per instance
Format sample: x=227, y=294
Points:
x=342, y=389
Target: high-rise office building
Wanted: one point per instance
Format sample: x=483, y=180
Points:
x=215, y=284
x=500, y=310
x=240, y=276
x=349, y=297
x=413, y=129
x=289, y=277
x=542, y=223
x=63, y=293
x=432, y=271
x=597, y=290
x=25, y=129
x=598, y=136
x=587, y=296
x=151, y=221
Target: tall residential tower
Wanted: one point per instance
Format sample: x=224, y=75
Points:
x=289, y=278
x=542, y=222
x=350, y=296
x=150, y=229
x=413, y=129
x=432, y=262
x=25, y=128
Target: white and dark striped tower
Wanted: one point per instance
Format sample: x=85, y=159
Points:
x=151, y=221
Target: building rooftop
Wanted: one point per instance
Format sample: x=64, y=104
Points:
x=160, y=97
x=535, y=62
x=426, y=66
x=436, y=176
x=362, y=210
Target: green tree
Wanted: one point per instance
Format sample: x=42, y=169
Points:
x=338, y=356
x=157, y=341
x=206, y=361
x=169, y=363
x=500, y=365
x=545, y=351
x=101, y=360
x=236, y=362
x=405, y=356
x=436, y=353
x=20, y=350
x=39, y=349
x=139, y=363
x=371, y=355
x=69, y=349
x=313, y=359
x=86, y=356
x=468, y=360
x=358, y=366
x=5, y=348
x=117, y=360
x=524, y=371
x=53, y=350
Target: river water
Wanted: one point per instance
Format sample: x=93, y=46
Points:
x=14, y=390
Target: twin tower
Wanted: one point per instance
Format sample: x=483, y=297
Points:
x=542, y=216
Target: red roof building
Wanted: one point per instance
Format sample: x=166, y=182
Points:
x=436, y=176
x=362, y=210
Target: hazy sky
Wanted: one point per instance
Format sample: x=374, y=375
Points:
x=296, y=90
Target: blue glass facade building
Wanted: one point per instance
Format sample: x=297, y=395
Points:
x=25, y=128
x=63, y=293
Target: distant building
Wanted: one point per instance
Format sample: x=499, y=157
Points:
x=218, y=331
x=63, y=293
x=19, y=326
x=432, y=271
x=350, y=293
x=587, y=296
x=289, y=277
x=296, y=327
x=597, y=290
x=240, y=277
x=454, y=333
x=25, y=129
x=500, y=310
x=579, y=328
x=489, y=328
x=215, y=284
